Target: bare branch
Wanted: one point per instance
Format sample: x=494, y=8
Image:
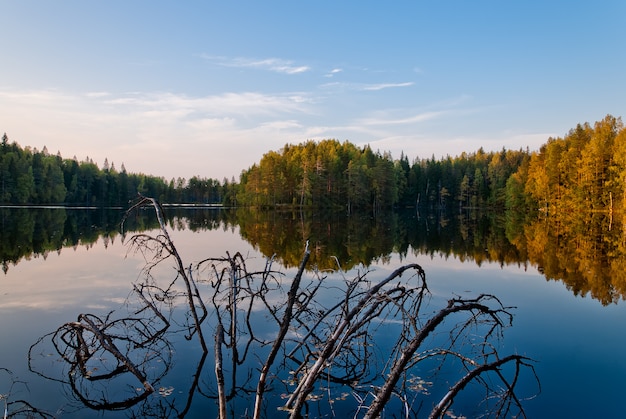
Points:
x=299, y=396
x=446, y=401
x=284, y=327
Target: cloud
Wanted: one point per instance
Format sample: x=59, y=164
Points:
x=334, y=85
x=160, y=133
x=332, y=72
x=362, y=87
x=181, y=135
x=97, y=94
x=420, y=117
x=229, y=103
x=270, y=64
x=382, y=86
x=281, y=125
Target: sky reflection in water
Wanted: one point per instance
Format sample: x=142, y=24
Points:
x=575, y=340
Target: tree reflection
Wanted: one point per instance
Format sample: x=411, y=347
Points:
x=584, y=250
x=28, y=232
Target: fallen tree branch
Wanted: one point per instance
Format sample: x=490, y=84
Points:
x=185, y=274
x=446, y=401
x=108, y=344
x=219, y=373
x=284, y=327
x=454, y=306
x=305, y=386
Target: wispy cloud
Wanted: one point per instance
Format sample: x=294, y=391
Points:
x=245, y=103
x=332, y=72
x=420, y=117
x=382, y=86
x=175, y=134
x=363, y=87
x=281, y=125
x=97, y=94
x=277, y=65
x=164, y=133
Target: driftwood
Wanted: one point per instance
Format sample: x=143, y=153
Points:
x=476, y=307
x=440, y=409
x=87, y=343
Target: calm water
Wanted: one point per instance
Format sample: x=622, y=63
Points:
x=575, y=340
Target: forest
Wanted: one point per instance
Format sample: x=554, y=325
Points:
x=584, y=169
x=330, y=173
x=32, y=177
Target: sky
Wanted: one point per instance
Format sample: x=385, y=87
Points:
x=205, y=88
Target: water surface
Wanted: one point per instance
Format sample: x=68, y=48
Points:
x=575, y=339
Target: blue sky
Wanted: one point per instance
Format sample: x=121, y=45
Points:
x=207, y=87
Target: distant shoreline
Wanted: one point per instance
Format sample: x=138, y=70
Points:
x=92, y=207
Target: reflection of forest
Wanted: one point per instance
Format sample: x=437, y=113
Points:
x=585, y=251
x=362, y=239
x=36, y=231
x=33, y=232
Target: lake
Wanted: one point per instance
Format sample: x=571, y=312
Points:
x=60, y=264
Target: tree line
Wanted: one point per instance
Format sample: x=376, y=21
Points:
x=331, y=173
x=30, y=176
x=584, y=169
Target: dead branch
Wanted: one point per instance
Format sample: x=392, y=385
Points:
x=86, y=344
x=322, y=342
x=454, y=306
x=305, y=386
x=17, y=407
x=108, y=344
x=219, y=341
x=284, y=327
x=166, y=243
x=446, y=401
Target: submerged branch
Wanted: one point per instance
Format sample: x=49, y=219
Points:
x=305, y=386
x=108, y=344
x=454, y=306
x=167, y=244
x=284, y=327
x=446, y=401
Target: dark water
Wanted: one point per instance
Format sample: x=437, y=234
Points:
x=562, y=276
